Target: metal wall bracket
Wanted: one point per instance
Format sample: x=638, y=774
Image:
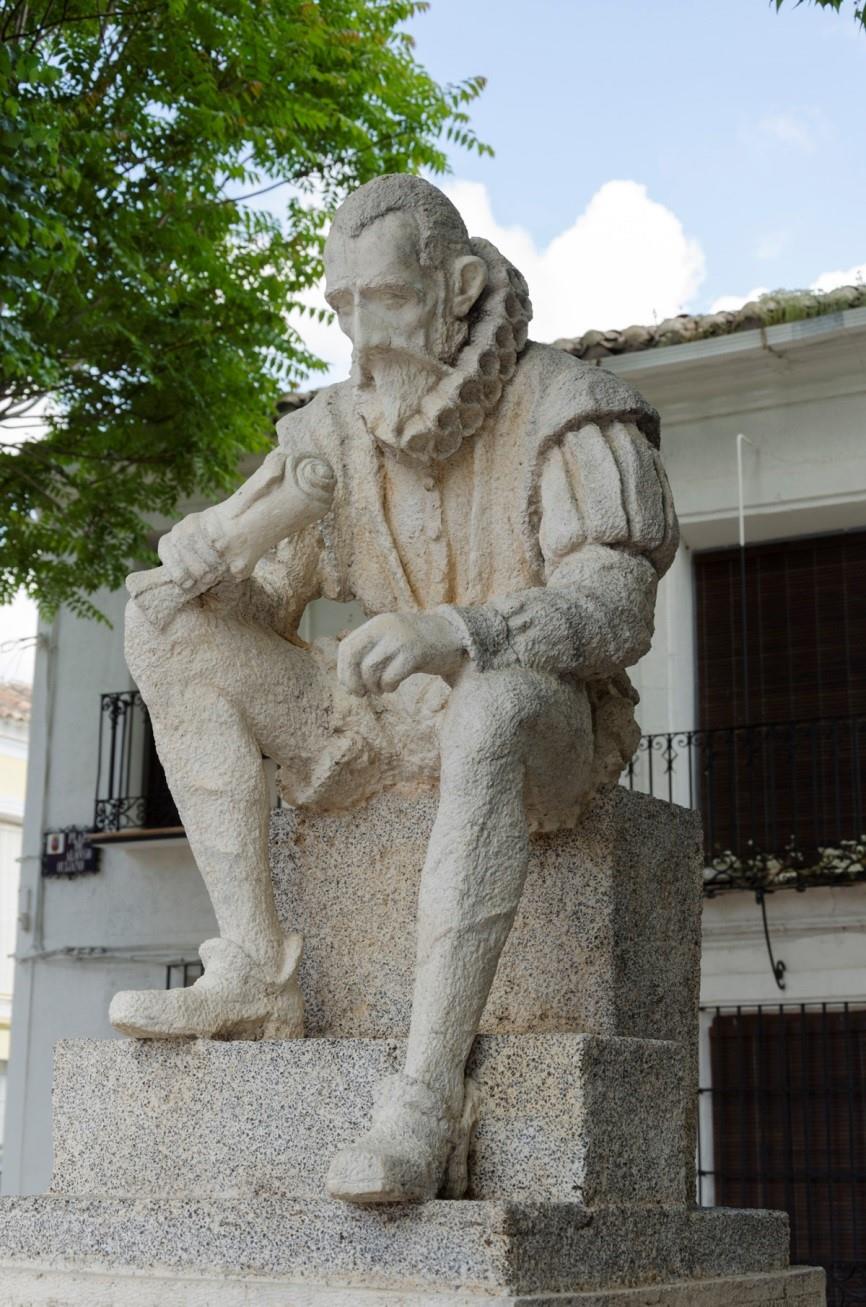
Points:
x=776, y=964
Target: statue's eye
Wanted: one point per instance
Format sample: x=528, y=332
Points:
x=394, y=299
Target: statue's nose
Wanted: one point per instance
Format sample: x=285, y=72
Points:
x=368, y=329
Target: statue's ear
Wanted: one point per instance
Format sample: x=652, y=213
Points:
x=469, y=277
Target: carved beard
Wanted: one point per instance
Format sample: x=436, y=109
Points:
x=422, y=408
x=391, y=385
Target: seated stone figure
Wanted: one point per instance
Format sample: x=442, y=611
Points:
x=500, y=511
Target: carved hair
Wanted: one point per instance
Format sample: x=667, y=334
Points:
x=442, y=234
x=461, y=402
x=485, y=344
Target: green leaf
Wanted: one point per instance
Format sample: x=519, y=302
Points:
x=144, y=299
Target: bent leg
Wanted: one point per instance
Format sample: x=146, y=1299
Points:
x=505, y=733
x=222, y=691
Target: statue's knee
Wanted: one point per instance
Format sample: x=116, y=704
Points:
x=138, y=635
x=148, y=645
x=489, y=712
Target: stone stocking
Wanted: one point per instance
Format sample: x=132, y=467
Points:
x=505, y=736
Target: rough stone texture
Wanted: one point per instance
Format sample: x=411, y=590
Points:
x=26, y=1287
x=606, y=938
x=475, y=1248
x=563, y=1117
x=500, y=511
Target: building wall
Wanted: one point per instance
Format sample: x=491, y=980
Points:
x=800, y=397
x=147, y=904
x=13, y=771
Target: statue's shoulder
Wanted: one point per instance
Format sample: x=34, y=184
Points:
x=566, y=391
x=321, y=419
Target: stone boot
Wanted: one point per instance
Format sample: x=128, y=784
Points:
x=413, y=1150
x=236, y=998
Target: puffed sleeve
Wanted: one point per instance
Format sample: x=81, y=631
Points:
x=606, y=487
x=607, y=532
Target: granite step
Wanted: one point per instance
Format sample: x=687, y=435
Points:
x=480, y=1248
x=578, y=1118
x=798, y=1286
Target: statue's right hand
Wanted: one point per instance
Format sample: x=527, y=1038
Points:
x=190, y=556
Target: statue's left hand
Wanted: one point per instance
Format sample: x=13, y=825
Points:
x=384, y=651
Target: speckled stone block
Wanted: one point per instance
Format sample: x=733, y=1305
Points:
x=481, y=1249
x=37, y=1287
x=563, y=1117
x=606, y=940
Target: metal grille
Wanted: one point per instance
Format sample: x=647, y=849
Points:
x=180, y=975
x=783, y=1125
x=131, y=789
x=783, y=803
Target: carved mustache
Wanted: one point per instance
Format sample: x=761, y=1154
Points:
x=367, y=361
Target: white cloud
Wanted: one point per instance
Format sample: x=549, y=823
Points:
x=730, y=303
x=625, y=259
x=848, y=277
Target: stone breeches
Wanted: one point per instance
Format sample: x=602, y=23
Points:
x=215, y=670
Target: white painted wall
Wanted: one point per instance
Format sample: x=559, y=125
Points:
x=799, y=393
x=13, y=764
x=147, y=903
x=820, y=935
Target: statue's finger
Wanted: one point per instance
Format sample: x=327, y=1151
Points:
x=395, y=673
x=373, y=664
x=349, y=669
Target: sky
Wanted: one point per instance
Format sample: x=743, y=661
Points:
x=650, y=158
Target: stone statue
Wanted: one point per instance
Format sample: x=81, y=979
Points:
x=500, y=511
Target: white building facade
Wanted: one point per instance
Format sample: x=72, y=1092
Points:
x=717, y=718
x=14, y=727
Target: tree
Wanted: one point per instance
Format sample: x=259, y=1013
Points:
x=859, y=12
x=143, y=297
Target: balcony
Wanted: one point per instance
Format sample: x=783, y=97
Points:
x=782, y=802
x=133, y=800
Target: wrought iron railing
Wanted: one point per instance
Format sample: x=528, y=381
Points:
x=131, y=790
x=782, y=803
x=782, y=1112
x=183, y=973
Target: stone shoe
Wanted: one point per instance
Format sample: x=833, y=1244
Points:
x=413, y=1150
x=234, y=999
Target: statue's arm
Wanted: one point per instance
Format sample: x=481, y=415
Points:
x=293, y=488
x=608, y=531
x=289, y=491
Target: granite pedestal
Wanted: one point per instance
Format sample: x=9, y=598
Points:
x=191, y=1174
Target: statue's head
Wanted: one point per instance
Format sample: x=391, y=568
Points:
x=410, y=289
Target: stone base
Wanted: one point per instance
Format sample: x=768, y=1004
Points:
x=35, y=1287
x=606, y=940
x=507, y=1251
x=564, y=1118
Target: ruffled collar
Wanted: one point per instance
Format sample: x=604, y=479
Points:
x=459, y=404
